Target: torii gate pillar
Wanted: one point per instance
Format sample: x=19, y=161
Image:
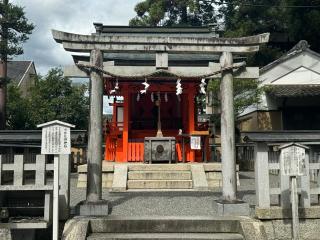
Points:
x=228, y=205
x=94, y=205
x=229, y=188
x=94, y=181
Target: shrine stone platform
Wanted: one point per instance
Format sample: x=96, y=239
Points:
x=122, y=177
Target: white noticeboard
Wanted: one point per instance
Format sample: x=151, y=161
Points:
x=195, y=142
x=56, y=138
x=293, y=161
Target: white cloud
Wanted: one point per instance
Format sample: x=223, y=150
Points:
x=70, y=16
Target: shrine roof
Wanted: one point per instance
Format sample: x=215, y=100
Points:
x=145, y=30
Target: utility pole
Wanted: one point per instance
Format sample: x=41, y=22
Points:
x=3, y=69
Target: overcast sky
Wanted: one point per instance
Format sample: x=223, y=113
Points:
x=71, y=16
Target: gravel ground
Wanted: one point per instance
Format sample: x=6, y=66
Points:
x=164, y=203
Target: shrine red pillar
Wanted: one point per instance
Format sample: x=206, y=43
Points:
x=191, y=122
x=126, y=119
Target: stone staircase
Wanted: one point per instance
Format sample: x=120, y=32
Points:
x=204, y=228
x=159, y=176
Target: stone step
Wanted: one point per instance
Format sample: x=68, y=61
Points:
x=159, y=167
x=158, y=224
x=171, y=236
x=159, y=184
x=159, y=175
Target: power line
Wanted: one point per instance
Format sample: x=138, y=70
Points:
x=266, y=5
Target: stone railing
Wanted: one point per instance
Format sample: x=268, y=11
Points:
x=273, y=189
x=26, y=188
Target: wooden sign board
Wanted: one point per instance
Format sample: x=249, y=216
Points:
x=293, y=161
x=56, y=138
x=195, y=142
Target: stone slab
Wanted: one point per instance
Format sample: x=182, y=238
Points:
x=236, y=208
x=165, y=224
x=120, y=178
x=280, y=213
x=199, y=177
x=215, y=167
x=159, y=175
x=166, y=236
x=159, y=184
x=252, y=229
x=76, y=229
x=159, y=167
x=214, y=183
x=100, y=208
x=106, y=167
x=282, y=229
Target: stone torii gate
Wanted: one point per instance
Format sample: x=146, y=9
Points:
x=98, y=43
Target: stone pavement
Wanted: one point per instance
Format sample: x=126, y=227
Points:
x=165, y=203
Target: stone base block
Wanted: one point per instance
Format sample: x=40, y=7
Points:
x=235, y=208
x=100, y=208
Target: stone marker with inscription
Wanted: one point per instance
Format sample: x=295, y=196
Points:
x=293, y=164
x=55, y=141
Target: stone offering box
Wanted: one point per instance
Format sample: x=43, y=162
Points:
x=159, y=149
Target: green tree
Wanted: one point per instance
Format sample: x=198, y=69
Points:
x=172, y=13
x=14, y=30
x=303, y=23
x=17, y=109
x=246, y=93
x=53, y=97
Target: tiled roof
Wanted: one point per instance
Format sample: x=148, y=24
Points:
x=300, y=47
x=17, y=69
x=294, y=90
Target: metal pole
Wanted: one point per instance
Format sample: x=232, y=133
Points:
x=227, y=130
x=55, y=224
x=94, y=172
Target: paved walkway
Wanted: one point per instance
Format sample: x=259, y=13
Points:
x=164, y=203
